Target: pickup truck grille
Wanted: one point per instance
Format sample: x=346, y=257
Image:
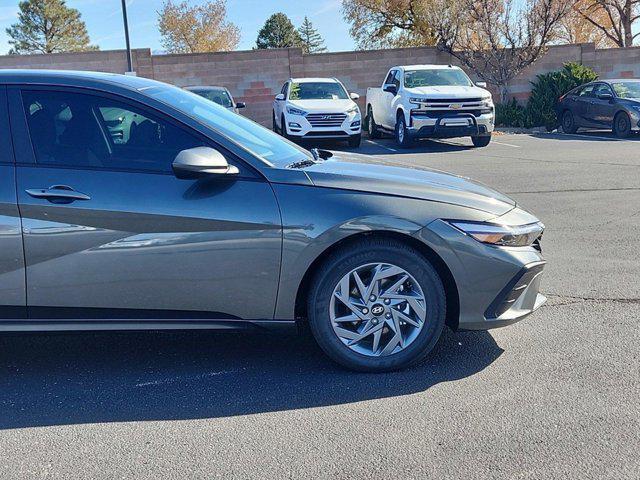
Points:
x=444, y=113
x=326, y=119
x=452, y=100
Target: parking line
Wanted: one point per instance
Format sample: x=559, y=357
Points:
x=584, y=135
x=382, y=146
x=506, y=144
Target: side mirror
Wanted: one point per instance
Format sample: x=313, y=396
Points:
x=200, y=162
x=280, y=97
x=605, y=96
x=481, y=84
x=240, y=105
x=390, y=89
x=354, y=96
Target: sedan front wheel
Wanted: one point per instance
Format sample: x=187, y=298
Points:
x=377, y=306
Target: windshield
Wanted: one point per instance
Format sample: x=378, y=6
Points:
x=265, y=144
x=436, y=78
x=317, y=91
x=626, y=89
x=221, y=97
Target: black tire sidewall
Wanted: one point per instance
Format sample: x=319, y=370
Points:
x=568, y=128
x=354, y=140
x=400, y=124
x=481, y=140
x=372, y=128
x=339, y=265
x=621, y=133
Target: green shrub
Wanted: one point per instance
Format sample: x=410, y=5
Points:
x=549, y=87
x=512, y=114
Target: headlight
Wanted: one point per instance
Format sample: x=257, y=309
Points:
x=353, y=109
x=487, y=102
x=417, y=100
x=295, y=111
x=502, y=235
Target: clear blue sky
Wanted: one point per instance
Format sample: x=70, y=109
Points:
x=104, y=20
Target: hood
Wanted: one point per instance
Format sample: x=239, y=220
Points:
x=323, y=106
x=424, y=184
x=449, y=91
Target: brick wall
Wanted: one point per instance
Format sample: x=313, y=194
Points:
x=255, y=76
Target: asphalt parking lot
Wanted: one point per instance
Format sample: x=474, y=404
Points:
x=555, y=396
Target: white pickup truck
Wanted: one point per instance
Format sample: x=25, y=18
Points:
x=430, y=101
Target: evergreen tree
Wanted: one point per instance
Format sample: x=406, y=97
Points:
x=48, y=26
x=278, y=32
x=312, y=41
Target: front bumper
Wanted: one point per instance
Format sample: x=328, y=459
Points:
x=496, y=286
x=451, y=125
x=299, y=126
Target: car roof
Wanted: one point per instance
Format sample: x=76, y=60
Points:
x=74, y=78
x=314, y=79
x=204, y=87
x=427, y=67
x=616, y=80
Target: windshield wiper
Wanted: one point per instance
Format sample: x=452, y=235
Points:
x=318, y=156
x=307, y=162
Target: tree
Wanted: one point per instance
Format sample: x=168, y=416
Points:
x=278, y=32
x=497, y=39
x=201, y=28
x=312, y=41
x=390, y=23
x=48, y=26
x=574, y=28
x=619, y=19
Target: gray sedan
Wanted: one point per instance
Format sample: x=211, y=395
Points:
x=613, y=104
x=130, y=204
x=220, y=95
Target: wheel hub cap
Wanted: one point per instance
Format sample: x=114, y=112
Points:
x=377, y=309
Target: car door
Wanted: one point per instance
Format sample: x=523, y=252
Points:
x=110, y=232
x=602, y=110
x=583, y=106
x=388, y=119
x=278, y=105
x=12, y=273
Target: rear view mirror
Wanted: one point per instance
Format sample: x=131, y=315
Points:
x=241, y=105
x=354, y=96
x=280, y=97
x=481, y=84
x=200, y=162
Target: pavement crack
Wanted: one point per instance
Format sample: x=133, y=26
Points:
x=573, y=299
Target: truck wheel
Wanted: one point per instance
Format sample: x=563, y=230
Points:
x=403, y=139
x=481, y=140
x=372, y=128
x=354, y=140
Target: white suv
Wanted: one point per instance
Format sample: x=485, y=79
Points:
x=317, y=108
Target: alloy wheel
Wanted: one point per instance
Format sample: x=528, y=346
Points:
x=377, y=309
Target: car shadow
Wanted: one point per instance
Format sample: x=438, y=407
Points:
x=591, y=135
x=77, y=378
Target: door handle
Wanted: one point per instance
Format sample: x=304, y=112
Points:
x=62, y=193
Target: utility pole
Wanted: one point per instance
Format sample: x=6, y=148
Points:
x=126, y=37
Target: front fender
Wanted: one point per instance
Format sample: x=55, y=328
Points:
x=314, y=219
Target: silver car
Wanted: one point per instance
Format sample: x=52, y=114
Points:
x=220, y=95
x=127, y=203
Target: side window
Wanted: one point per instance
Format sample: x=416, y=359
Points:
x=79, y=130
x=602, y=88
x=396, y=79
x=586, y=91
x=389, y=79
x=284, y=89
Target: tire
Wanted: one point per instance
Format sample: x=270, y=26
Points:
x=622, y=125
x=481, y=140
x=354, y=140
x=372, y=128
x=323, y=301
x=568, y=122
x=275, y=125
x=283, y=128
x=403, y=139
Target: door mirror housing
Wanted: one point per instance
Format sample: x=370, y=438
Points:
x=280, y=97
x=240, y=105
x=605, y=96
x=201, y=162
x=390, y=88
x=354, y=96
x=481, y=84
